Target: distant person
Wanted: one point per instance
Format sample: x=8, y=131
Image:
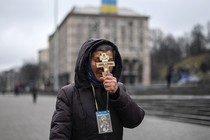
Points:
x=169, y=76
x=3, y=91
x=96, y=106
x=17, y=88
x=34, y=93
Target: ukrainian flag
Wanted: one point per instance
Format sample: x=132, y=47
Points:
x=109, y=6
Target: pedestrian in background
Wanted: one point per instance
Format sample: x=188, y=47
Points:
x=17, y=88
x=34, y=92
x=169, y=75
x=96, y=106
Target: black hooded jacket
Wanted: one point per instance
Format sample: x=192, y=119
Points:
x=75, y=114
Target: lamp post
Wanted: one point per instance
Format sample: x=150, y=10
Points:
x=56, y=45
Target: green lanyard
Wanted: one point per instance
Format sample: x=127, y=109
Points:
x=96, y=103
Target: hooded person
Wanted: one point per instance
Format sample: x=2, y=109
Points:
x=95, y=107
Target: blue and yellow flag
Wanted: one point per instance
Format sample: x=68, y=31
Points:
x=109, y=6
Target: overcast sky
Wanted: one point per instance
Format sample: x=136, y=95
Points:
x=26, y=24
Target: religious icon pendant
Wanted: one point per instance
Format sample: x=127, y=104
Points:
x=104, y=122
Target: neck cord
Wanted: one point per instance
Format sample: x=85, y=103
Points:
x=96, y=103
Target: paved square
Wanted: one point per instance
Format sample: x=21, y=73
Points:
x=21, y=119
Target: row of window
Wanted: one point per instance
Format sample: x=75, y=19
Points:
x=121, y=30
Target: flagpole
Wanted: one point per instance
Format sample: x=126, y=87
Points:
x=56, y=45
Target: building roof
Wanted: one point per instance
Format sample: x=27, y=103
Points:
x=96, y=11
x=89, y=10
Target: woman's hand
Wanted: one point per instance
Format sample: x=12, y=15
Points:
x=110, y=83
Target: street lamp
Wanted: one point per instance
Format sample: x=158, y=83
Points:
x=56, y=44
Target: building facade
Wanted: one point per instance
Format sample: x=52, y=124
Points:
x=44, y=80
x=126, y=28
x=9, y=80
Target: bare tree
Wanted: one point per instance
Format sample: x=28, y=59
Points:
x=208, y=36
x=198, y=44
x=29, y=73
x=156, y=37
x=184, y=44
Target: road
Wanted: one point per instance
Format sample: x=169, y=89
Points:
x=21, y=119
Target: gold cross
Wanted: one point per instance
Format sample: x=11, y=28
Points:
x=105, y=63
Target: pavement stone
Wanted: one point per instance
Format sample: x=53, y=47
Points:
x=21, y=119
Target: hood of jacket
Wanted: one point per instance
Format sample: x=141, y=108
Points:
x=81, y=78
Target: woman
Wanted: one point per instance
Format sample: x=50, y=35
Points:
x=96, y=106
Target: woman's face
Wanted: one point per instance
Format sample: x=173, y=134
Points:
x=95, y=59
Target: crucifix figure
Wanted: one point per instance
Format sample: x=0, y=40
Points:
x=105, y=63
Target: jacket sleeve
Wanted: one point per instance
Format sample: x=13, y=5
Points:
x=131, y=115
x=61, y=123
